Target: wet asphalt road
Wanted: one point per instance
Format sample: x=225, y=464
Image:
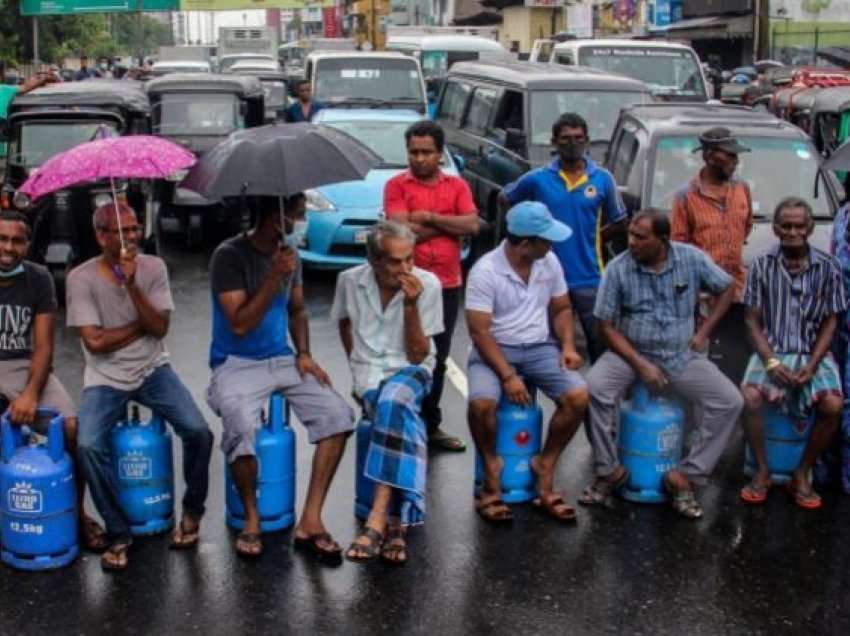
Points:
x=630, y=569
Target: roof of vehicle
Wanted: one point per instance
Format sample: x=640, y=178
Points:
x=833, y=99
x=621, y=42
x=546, y=76
x=260, y=73
x=231, y=56
x=394, y=55
x=366, y=114
x=796, y=96
x=444, y=43
x=244, y=85
x=127, y=94
x=694, y=118
x=181, y=64
x=254, y=65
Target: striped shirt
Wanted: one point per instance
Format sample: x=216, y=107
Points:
x=717, y=222
x=655, y=310
x=793, y=307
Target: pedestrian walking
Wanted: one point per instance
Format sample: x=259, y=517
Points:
x=85, y=72
x=521, y=323
x=646, y=309
x=794, y=297
x=305, y=107
x=28, y=309
x=258, y=295
x=388, y=312
x=584, y=196
x=121, y=304
x=714, y=212
x=440, y=210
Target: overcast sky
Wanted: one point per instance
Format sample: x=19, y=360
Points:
x=201, y=20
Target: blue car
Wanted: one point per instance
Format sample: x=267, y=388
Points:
x=340, y=215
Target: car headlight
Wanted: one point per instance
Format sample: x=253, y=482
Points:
x=21, y=201
x=318, y=202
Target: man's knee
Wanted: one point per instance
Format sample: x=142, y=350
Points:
x=575, y=400
x=481, y=410
x=752, y=398
x=830, y=406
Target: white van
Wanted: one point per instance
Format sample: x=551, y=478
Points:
x=437, y=53
x=672, y=70
x=353, y=79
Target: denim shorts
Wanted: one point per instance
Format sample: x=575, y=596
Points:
x=538, y=364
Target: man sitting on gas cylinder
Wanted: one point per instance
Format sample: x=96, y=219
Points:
x=121, y=304
x=646, y=310
x=513, y=295
x=793, y=296
x=27, y=313
x=257, y=295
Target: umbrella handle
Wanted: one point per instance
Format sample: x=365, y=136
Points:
x=117, y=215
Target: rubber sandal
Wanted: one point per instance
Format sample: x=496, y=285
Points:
x=755, y=493
x=251, y=539
x=600, y=491
x=390, y=553
x=441, y=440
x=94, y=537
x=372, y=549
x=182, y=539
x=118, y=549
x=683, y=501
x=548, y=507
x=312, y=546
x=806, y=501
x=485, y=511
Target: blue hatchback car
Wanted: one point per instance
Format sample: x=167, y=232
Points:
x=340, y=215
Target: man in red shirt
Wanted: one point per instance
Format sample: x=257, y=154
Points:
x=440, y=211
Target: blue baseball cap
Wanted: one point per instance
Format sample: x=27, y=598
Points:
x=532, y=218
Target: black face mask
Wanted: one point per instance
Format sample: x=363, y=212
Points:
x=572, y=151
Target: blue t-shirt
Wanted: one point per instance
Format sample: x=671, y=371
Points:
x=294, y=114
x=236, y=264
x=586, y=206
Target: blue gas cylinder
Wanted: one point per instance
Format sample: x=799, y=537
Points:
x=144, y=471
x=39, y=497
x=518, y=439
x=364, y=488
x=650, y=443
x=275, y=444
x=785, y=438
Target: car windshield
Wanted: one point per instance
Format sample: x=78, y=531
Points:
x=666, y=71
x=34, y=142
x=227, y=62
x=197, y=114
x=385, y=138
x=368, y=80
x=774, y=169
x=600, y=110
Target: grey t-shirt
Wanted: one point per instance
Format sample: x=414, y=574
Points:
x=25, y=296
x=95, y=301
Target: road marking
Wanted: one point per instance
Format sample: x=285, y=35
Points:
x=457, y=377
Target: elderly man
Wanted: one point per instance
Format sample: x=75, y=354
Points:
x=521, y=323
x=257, y=297
x=388, y=312
x=714, y=212
x=121, y=304
x=646, y=310
x=27, y=315
x=794, y=295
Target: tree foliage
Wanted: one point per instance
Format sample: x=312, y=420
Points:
x=61, y=36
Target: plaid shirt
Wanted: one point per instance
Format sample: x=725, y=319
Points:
x=655, y=310
x=794, y=307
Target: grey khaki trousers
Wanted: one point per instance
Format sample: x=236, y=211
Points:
x=701, y=383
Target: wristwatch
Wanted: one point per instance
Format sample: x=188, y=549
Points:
x=772, y=363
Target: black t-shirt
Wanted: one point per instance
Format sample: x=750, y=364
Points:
x=30, y=293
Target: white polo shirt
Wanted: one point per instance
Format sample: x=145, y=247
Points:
x=378, y=334
x=520, y=311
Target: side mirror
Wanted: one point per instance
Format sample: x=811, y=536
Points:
x=515, y=140
x=459, y=162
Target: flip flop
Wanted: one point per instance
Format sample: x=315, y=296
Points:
x=683, y=501
x=755, y=493
x=250, y=539
x=600, y=491
x=118, y=550
x=94, y=537
x=486, y=512
x=311, y=545
x=441, y=440
x=372, y=549
x=183, y=539
x=391, y=553
x=806, y=501
x=548, y=507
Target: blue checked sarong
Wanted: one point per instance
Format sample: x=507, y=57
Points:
x=398, y=450
x=798, y=402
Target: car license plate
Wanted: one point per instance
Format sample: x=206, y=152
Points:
x=360, y=237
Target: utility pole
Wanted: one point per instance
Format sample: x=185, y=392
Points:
x=140, y=36
x=35, y=60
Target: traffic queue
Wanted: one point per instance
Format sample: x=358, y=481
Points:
x=690, y=242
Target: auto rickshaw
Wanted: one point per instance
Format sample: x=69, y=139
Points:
x=794, y=104
x=50, y=120
x=831, y=119
x=275, y=90
x=197, y=111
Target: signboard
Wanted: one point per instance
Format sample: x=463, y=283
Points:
x=544, y=3
x=580, y=20
x=66, y=7
x=231, y=5
x=311, y=14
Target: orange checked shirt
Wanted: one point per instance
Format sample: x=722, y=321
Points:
x=717, y=220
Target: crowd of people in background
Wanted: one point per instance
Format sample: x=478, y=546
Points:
x=647, y=315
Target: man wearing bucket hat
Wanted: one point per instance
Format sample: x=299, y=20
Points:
x=521, y=323
x=714, y=212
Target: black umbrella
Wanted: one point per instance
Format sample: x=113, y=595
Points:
x=840, y=159
x=280, y=160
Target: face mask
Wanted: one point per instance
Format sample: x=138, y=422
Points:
x=572, y=151
x=296, y=237
x=12, y=272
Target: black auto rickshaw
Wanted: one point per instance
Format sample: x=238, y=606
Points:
x=51, y=120
x=197, y=111
x=275, y=90
x=831, y=118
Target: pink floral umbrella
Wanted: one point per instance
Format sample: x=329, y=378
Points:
x=131, y=157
